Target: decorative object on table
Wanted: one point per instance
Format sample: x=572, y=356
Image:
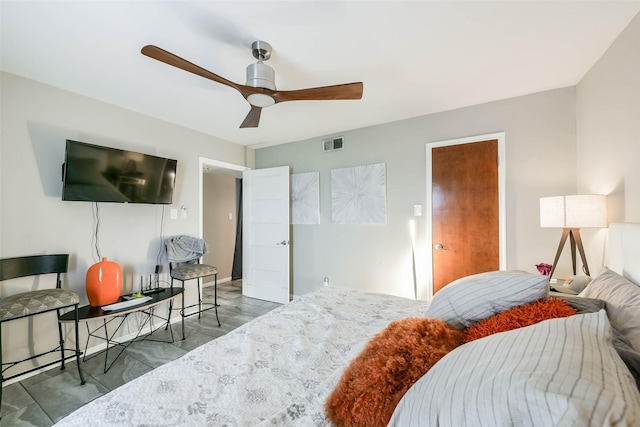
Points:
x=125, y=304
x=104, y=283
x=572, y=213
x=572, y=285
x=544, y=268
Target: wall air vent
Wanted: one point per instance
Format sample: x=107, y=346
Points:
x=333, y=144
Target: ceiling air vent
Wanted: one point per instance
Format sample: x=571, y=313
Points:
x=333, y=144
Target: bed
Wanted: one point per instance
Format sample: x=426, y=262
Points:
x=281, y=368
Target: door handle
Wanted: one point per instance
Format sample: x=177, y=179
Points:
x=439, y=247
x=283, y=243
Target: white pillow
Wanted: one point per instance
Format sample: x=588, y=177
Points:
x=470, y=299
x=559, y=372
x=623, y=302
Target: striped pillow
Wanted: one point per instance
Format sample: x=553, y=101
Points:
x=470, y=299
x=623, y=302
x=557, y=372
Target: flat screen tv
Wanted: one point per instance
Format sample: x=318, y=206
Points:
x=93, y=173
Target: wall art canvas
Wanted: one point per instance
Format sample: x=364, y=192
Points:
x=305, y=198
x=359, y=195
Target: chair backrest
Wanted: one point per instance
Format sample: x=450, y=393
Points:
x=12, y=268
x=185, y=250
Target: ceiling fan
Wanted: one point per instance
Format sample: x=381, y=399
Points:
x=260, y=89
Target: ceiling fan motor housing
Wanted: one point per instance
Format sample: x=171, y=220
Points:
x=261, y=75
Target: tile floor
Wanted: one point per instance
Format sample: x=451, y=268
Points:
x=46, y=398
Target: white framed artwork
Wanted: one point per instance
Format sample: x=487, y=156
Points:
x=305, y=198
x=359, y=195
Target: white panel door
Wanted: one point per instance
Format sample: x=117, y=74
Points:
x=265, y=240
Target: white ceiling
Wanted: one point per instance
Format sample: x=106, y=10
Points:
x=414, y=57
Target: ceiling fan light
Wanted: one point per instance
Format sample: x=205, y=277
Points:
x=261, y=75
x=260, y=100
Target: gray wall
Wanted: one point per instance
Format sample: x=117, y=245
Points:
x=608, y=132
x=218, y=201
x=540, y=161
x=36, y=119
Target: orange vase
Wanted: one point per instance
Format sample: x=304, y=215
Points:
x=104, y=283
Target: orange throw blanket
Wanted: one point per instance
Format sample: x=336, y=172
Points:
x=519, y=317
x=390, y=364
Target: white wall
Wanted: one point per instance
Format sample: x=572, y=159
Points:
x=540, y=156
x=608, y=133
x=36, y=120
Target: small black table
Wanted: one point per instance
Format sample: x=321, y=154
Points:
x=87, y=313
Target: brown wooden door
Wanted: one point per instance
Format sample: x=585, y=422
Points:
x=465, y=213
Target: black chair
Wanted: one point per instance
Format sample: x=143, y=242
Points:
x=37, y=302
x=184, y=254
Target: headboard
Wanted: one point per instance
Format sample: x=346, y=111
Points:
x=624, y=250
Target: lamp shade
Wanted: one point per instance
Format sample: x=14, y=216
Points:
x=575, y=211
x=552, y=211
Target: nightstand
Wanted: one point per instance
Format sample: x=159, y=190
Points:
x=555, y=282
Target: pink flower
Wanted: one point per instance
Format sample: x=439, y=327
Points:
x=544, y=269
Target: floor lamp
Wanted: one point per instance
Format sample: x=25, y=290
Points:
x=571, y=213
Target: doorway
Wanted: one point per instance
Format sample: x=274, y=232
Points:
x=221, y=216
x=466, y=208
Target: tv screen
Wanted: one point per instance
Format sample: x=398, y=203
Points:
x=93, y=173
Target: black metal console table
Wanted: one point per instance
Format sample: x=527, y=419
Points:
x=87, y=313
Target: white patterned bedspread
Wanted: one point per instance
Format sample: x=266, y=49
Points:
x=276, y=370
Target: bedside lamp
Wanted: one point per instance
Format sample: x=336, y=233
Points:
x=571, y=213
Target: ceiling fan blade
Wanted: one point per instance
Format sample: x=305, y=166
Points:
x=253, y=118
x=169, y=58
x=258, y=95
x=343, y=91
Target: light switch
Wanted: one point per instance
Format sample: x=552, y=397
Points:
x=173, y=214
x=230, y=215
x=417, y=210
